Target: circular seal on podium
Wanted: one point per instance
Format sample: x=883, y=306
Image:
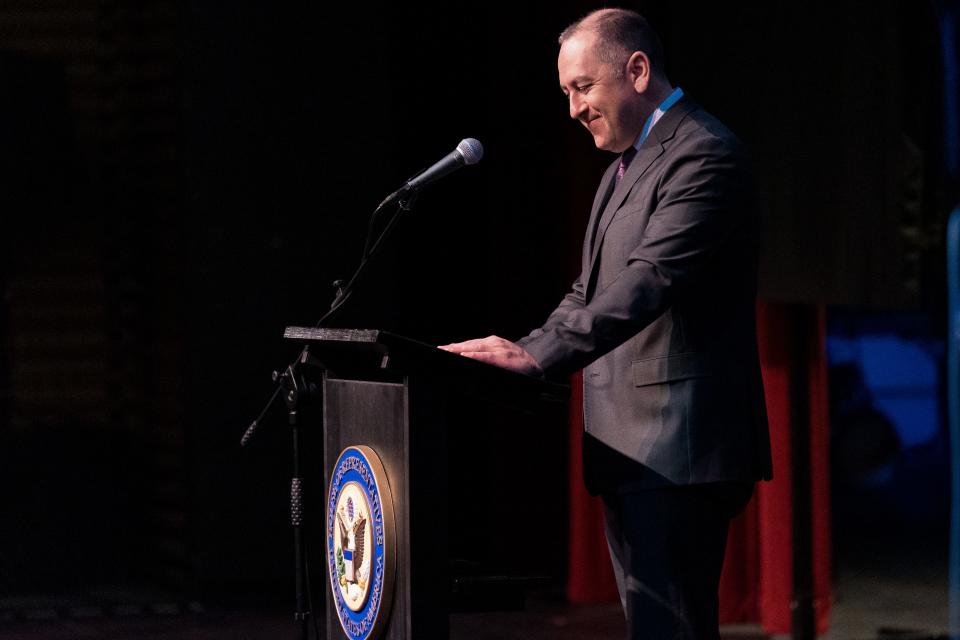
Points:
x=361, y=536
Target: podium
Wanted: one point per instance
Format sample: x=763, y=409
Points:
x=414, y=521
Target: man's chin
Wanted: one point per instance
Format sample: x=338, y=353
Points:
x=602, y=143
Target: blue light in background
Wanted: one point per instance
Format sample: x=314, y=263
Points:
x=901, y=376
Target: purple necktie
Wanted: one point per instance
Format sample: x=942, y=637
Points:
x=625, y=160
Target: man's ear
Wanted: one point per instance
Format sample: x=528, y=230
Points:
x=638, y=71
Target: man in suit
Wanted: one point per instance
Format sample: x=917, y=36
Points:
x=662, y=322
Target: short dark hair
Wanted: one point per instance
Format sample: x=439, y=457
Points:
x=619, y=32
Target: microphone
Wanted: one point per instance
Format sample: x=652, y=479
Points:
x=469, y=151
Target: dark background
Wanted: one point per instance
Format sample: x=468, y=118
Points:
x=180, y=180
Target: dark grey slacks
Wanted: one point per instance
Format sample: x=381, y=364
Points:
x=667, y=546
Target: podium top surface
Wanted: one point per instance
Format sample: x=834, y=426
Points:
x=377, y=350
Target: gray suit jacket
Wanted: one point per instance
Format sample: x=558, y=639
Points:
x=662, y=317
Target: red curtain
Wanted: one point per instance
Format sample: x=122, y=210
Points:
x=589, y=572
x=756, y=585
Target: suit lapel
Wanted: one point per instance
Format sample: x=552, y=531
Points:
x=652, y=148
x=599, y=204
x=641, y=162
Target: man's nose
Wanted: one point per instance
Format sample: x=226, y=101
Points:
x=577, y=106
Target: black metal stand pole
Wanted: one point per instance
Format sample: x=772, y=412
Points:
x=302, y=614
x=802, y=610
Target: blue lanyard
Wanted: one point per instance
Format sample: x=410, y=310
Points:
x=659, y=111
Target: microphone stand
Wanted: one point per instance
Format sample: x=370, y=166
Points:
x=292, y=386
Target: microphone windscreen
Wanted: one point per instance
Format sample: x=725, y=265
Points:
x=471, y=150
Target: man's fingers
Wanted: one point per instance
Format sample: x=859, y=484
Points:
x=478, y=344
x=460, y=347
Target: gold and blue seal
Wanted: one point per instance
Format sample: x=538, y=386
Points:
x=360, y=542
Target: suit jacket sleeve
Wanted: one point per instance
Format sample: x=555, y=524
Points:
x=571, y=302
x=702, y=202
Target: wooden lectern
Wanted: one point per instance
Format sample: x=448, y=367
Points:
x=415, y=407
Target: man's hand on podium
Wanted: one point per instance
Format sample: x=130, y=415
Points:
x=497, y=351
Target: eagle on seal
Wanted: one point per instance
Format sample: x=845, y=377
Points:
x=353, y=540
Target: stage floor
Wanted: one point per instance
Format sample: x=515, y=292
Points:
x=178, y=621
x=872, y=601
